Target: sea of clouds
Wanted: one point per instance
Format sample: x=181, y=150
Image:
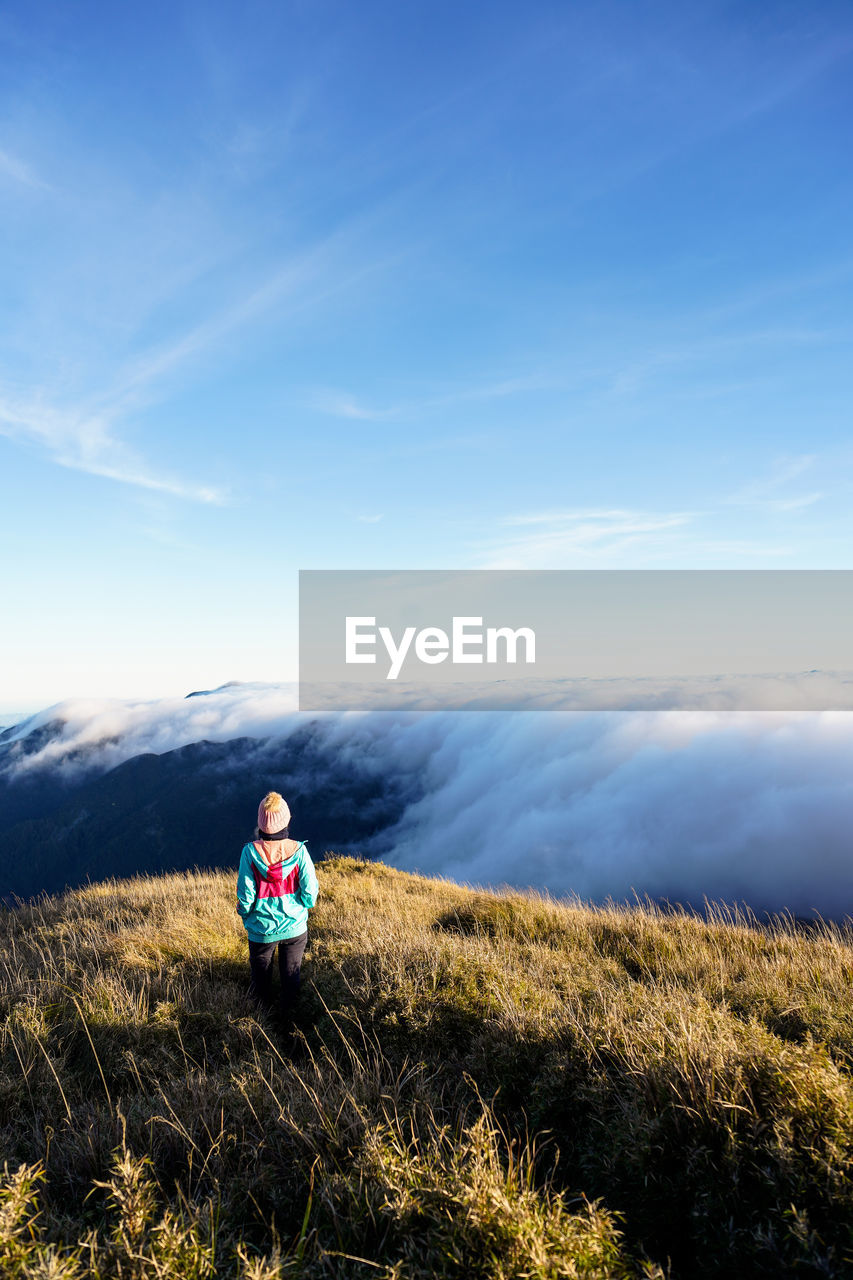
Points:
x=733, y=806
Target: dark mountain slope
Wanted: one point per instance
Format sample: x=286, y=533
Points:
x=191, y=806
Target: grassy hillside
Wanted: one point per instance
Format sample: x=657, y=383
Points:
x=490, y=1085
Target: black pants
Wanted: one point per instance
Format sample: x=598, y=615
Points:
x=261, y=959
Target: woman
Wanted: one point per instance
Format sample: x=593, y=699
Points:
x=276, y=888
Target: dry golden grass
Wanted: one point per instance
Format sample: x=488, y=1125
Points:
x=491, y=1085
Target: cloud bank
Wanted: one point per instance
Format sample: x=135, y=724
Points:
x=744, y=806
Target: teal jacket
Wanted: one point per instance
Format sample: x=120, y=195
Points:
x=274, y=901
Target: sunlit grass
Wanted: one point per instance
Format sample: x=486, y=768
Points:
x=492, y=1085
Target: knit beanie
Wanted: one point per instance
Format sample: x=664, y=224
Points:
x=273, y=814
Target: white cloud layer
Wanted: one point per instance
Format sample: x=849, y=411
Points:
x=682, y=805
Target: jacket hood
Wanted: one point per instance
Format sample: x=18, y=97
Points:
x=274, y=871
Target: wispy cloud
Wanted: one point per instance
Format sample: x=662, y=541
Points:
x=768, y=492
x=18, y=170
x=746, y=97
x=300, y=280
x=559, y=539
x=340, y=404
x=610, y=537
x=86, y=444
x=628, y=380
x=84, y=436
x=345, y=404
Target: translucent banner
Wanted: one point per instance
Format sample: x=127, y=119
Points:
x=715, y=640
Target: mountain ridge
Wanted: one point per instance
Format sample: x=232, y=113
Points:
x=193, y=805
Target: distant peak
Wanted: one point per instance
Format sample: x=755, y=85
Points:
x=205, y=693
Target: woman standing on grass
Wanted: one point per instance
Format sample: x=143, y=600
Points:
x=276, y=888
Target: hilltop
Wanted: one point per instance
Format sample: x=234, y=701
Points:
x=490, y=1085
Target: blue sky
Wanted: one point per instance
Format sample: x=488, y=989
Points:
x=307, y=285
